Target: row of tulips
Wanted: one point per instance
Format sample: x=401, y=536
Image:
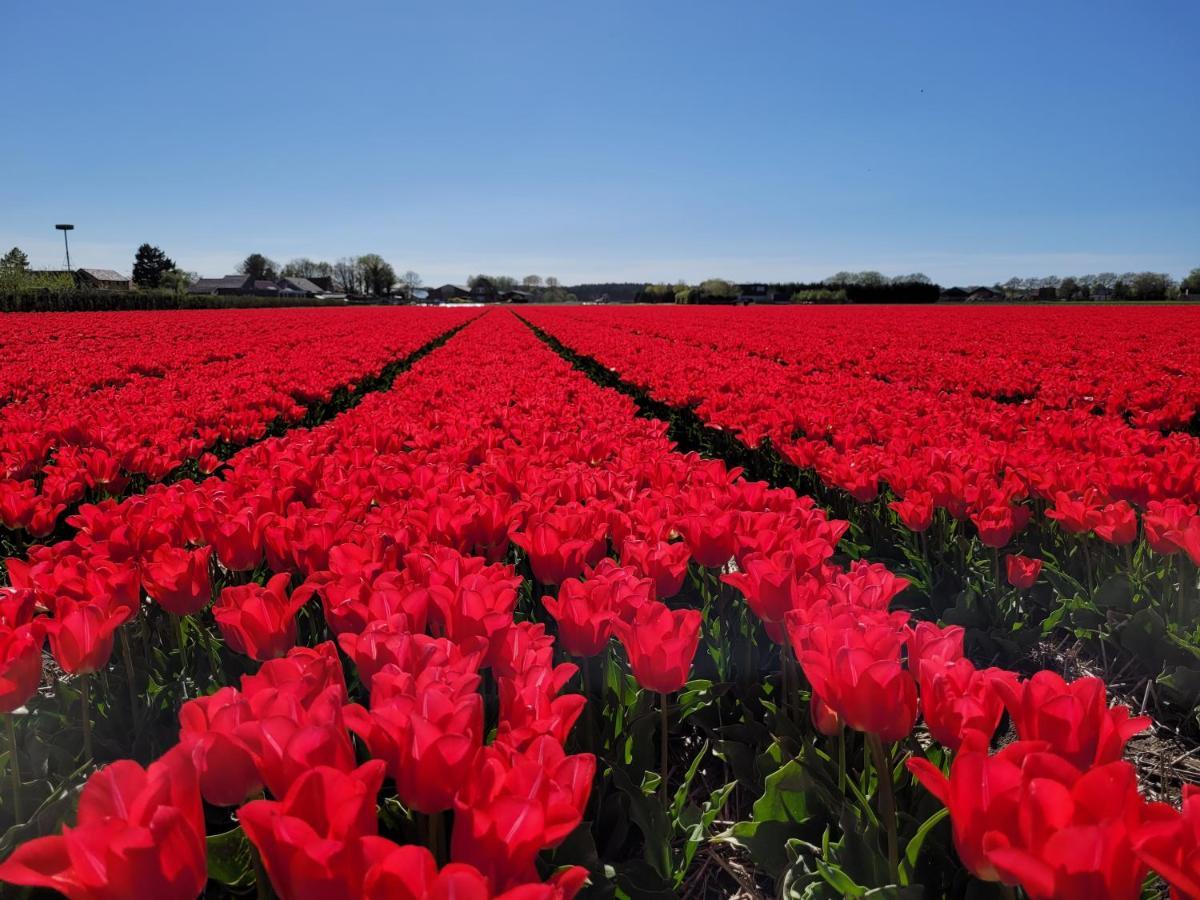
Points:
x=92, y=401
x=947, y=478
x=402, y=529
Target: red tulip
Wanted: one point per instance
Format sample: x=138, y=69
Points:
x=81, y=634
x=213, y=729
x=1169, y=842
x=140, y=833
x=852, y=660
x=426, y=735
x=584, y=612
x=312, y=841
x=289, y=740
x=1074, y=719
x=1117, y=523
x=530, y=705
x=661, y=644
x=516, y=804
x=20, y=663
x=915, y=510
x=665, y=564
x=999, y=522
x=984, y=796
x=1076, y=516
x=1164, y=521
x=1022, y=571
x=177, y=579
x=1074, y=835
x=259, y=621
x=957, y=699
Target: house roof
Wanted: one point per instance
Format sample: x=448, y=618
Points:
x=303, y=284
x=264, y=285
x=105, y=274
x=204, y=285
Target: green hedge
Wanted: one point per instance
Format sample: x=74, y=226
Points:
x=82, y=300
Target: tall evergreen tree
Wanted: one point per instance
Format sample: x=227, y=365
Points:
x=149, y=266
x=14, y=261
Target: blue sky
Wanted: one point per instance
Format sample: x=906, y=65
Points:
x=616, y=140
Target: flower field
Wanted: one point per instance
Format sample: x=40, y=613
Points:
x=420, y=603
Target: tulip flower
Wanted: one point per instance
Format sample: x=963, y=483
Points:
x=259, y=621
x=584, y=613
x=663, y=563
x=1022, y=571
x=957, y=699
x=1117, y=523
x=515, y=804
x=915, y=510
x=426, y=736
x=214, y=730
x=1073, y=718
x=289, y=740
x=313, y=841
x=984, y=795
x=661, y=644
x=1074, y=835
x=20, y=662
x=139, y=833
x=561, y=545
x=1169, y=842
x=177, y=579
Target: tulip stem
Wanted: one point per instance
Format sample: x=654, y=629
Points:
x=130, y=672
x=86, y=703
x=842, y=761
x=887, y=803
x=262, y=884
x=177, y=621
x=663, y=784
x=14, y=768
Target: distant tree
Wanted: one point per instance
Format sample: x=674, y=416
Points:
x=378, y=276
x=551, y=281
x=870, y=278
x=346, y=275
x=1151, y=287
x=176, y=280
x=1190, y=283
x=259, y=267
x=531, y=282
x=410, y=281
x=718, y=287
x=149, y=266
x=303, y=267
x=915, y=278
x=15, y=261
x=499, y=282
x=840, y=278
x=1068, y=289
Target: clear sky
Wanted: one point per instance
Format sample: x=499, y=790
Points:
x=610, y=140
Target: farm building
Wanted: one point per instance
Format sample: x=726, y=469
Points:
x=229, y=286
x=102, y=280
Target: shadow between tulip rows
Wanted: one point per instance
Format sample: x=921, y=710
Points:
x=1166, y=756
x=347, y=396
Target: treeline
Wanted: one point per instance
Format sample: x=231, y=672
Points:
x=540, y=290
x=84, y=300
x=718, y=290
x=1143, y=287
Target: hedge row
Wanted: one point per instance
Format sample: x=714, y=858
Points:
x=83, y=300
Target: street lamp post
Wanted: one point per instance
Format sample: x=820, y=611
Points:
x=64, y=229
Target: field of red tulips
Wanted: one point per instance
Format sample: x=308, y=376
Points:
x=426, y=604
